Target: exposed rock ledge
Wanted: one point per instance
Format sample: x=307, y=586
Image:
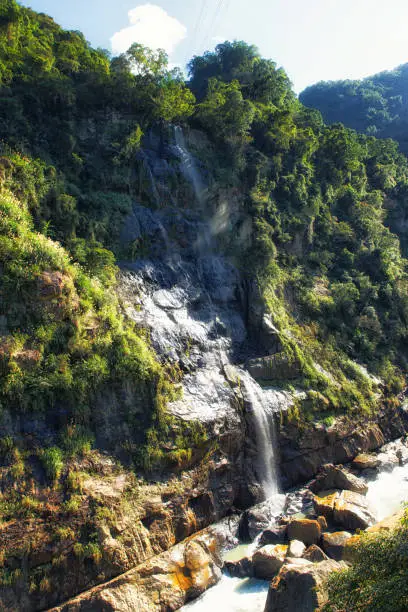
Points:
x=303, y=452
x=163, y=584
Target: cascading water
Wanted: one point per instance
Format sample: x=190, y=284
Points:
x=189, y=298
x=265, y=435
x=265, y=404
x=188, y=166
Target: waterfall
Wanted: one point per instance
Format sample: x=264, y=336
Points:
x=264, y=403
x=188, y=165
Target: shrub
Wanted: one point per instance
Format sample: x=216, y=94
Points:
x=52, y=461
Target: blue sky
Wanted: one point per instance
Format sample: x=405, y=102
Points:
x=312, y=39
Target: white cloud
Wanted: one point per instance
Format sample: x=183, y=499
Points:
x=151, y=26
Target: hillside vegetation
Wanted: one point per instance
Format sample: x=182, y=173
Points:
x=377, y=105
x=72, y=130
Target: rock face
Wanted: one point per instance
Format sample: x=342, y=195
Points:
x=299, y=588
x=303, y=452
x=165, y=583
x=334, y=544
x=346, y=508
x=351, y=511
x=334, y=477
x=274, y=367
x=243, y=568
x=268, y=560
x=315, y=554
x=365, y=461
x=305, y=530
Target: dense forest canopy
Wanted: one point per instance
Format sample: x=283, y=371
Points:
x=377, y=105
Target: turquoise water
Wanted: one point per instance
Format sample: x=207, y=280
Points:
x=232, y=595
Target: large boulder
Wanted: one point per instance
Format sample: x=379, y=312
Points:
x=296, y=549
x=346, y=509
x=334, y=544
x=300, y=588
x=268, y=560
x=365, y=461
x=257, y=519
x=166, y=582
x=333, y=477
x=305, y=530
x=243, y=568
x=274, y=535
x=314, y=554
x=352, y=512
x=325, y=502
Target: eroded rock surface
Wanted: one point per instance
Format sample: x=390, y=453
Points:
x=299, y=588
x=165, y=583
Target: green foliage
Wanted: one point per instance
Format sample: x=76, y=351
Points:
x=225, y=111
x=323, y=206
x=377, y=579
x=52, y=461
x=376, y=105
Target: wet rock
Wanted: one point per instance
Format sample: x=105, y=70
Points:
x=402, y=455
x=352, y=512
x=300, y=588
x=268, y=560
x=333, y=477
x=315, y=554
x=257, y=519
x=296, y=549
x=387, y=461
x=274, y=367
x=365, y=461
x=274, y=535
x=333, y=544
x=305, y=530
x=243, y=568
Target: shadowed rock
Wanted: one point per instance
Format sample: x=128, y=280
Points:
x=300, y=588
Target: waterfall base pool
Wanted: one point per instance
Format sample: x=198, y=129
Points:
x=232, y=595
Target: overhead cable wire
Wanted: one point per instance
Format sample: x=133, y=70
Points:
x=206, y=38
x=195, y=32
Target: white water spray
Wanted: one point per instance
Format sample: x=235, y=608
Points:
x=264, y=403
x=188, y=165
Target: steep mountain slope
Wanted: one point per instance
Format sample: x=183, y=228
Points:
x=377, y=105
x=244, y=231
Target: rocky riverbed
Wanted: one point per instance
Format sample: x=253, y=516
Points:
x=292, y=555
